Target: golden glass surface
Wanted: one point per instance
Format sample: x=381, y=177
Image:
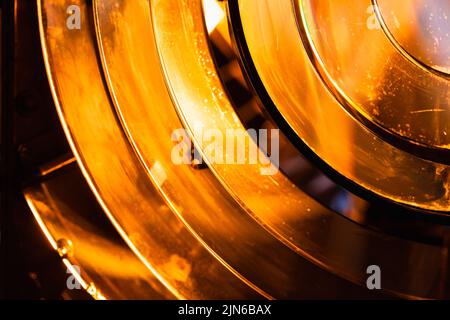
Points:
x=319, y=119
x=353, y=88
x=357, y=53
x=273, y=201
x=112, y=169
x=148, y=114
x=103, y=264
x=419, y=30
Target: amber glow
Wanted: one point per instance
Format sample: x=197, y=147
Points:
x=214, y=14
x=140, y=70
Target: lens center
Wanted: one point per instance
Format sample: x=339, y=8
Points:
x=420, y=29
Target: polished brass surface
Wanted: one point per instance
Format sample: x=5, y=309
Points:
x=418, y=29
x=113, y=171
x=95, y=257
x=380, y=81
x=273, y=201
x=149, y=115
x=137, y=72
x=323, y=124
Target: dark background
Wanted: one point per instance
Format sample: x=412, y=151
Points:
x=30, y=136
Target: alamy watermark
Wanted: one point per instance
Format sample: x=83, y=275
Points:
x=232, y=147
x=373, y=282
x=72, y=282
x=73, y=21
